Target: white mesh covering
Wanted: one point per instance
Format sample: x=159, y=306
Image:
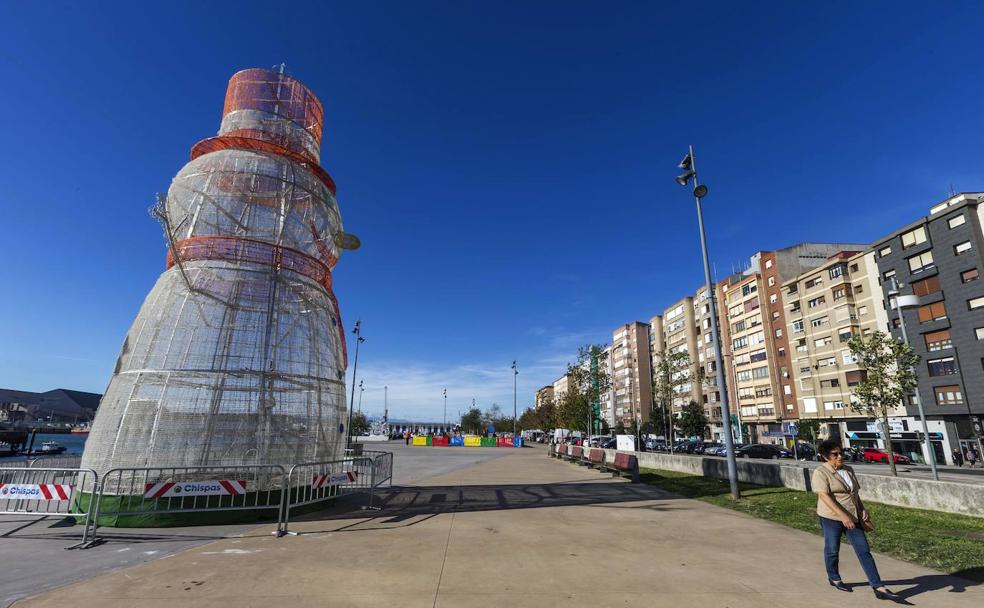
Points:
x=236, y=356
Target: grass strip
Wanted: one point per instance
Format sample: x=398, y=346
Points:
x=942, y=541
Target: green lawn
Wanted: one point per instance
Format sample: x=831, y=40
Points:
x=942, y=541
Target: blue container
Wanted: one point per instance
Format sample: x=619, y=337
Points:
x=517, y=442
x=457, y=441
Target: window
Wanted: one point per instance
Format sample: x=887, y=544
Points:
x=845, y=335
x=962, y=248
x=926, y=286
x=941, y=367
x=778, y=333
x=833, y=383
x=819, y=322
x=833, y=405
x=969, y=275
x=792, y=289
x=839, y=293
x=854, y=267
x=738, y=343
x=773, y=298
x=975, y=303
x=816, y=301
x=772, y=281
x=797, y=326
x=885, y=251
x=757, y=356
x=836, y=271
x=737, y=327
x=768, y=263
x=763, y=391
x=821, y=342
x=933, y=312
x=813, y=283
x=948, y=395
x=862, y=311
x=918, y=263
x=854, y=377
x=775, y=314
x=752, y=305
x=795, y=307
x=979, y=332
x=859, y=288
x=888, y=274
x=938, y=340
x=914, y=237
x=760, y=372
x=957, y=220
x=748, y=288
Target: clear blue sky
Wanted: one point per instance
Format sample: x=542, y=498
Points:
x=508, y=166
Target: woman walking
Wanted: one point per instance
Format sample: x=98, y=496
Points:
x=841, y=512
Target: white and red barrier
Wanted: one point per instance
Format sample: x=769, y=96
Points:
x=35, y=491
x=332, y=479
x=218, y=487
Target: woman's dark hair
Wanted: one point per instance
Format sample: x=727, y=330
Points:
x=828, y=445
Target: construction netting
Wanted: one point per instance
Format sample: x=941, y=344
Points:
x=237, y=355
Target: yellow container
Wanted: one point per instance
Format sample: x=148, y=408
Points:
x=473, y=442
x=420, y=440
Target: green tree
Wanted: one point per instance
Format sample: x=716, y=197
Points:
x=888, y=377
x=547, y=414
x=809, y=429
x=693, y=420
x=588, y=379
x=672, y=373
x=605, y=429
x=619, y=428
x=573, y=410
x=360, y=424
x=471, y=421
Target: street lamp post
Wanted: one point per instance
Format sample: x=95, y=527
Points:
x=355, y=369
x=362, y=389
x=445, y=410
x=515, y=373
x=689, y=166
x=902, y=302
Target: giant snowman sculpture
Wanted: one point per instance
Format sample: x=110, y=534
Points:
x=237, y=355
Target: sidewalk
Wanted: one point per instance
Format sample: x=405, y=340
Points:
x=519, y=530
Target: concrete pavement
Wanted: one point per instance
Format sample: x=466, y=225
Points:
x=518, y=529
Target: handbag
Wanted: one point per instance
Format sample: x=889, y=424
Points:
x=867, y=526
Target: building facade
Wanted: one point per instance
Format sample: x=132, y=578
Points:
x=631, y=374
x=825, y=307
x=938, y=259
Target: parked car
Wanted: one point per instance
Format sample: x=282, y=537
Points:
x=708, y=447
x=763, y=450
x=805, y=451
x=654, y=445
x=877, y=455
x=608, y=443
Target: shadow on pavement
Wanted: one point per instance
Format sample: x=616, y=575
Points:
x=413, y=505
x=952, y=583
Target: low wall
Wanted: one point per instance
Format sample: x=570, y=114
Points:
x=946, y=496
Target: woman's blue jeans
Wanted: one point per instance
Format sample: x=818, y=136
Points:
x=832, y=531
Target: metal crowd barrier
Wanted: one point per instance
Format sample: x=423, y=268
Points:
x=382, y=463
x=64, y=460
x=146, y=491
x=47, y=492
x=309, y=483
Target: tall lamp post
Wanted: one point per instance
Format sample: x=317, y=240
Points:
x=445, y=410
x=362, y=389
x=689, y=166
x=515, y=373
x=355, y=369
x=903, y=302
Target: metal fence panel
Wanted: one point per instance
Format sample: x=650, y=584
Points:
x=46, y=492
x=382, y=466
x=148, y=491
x=313, y=482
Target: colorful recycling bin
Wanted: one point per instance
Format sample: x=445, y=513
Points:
x=420, y=440
x=440, y=441
x=500, y=442
x=518, y=442
x=508, y=441
x=487, y=442
x=471, y=441
x=457, y=441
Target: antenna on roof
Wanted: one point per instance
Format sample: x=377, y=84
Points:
x=952, y=192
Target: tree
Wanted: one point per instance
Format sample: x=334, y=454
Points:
x=693, y=420
x=360, y=424
x=888, y=377
x=547, y=414
x=619, y=428
x=471, y=421
x=808, y=429
x=605, y=429
x=573, y=410
x=671, y=375
x=588, y=379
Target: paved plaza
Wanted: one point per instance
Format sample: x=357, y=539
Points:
x=511, y=527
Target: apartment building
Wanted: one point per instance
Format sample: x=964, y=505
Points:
x=607, y=398
x=754, y=340
x=825, y=307
x=938, y=259
x=710, y=393
x=560, y=388
x=631, y=373
x=680, y=336
x=544, y=394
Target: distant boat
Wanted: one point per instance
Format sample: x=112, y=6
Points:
x=7, y=450
x=48, y=448
x=80, y=429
